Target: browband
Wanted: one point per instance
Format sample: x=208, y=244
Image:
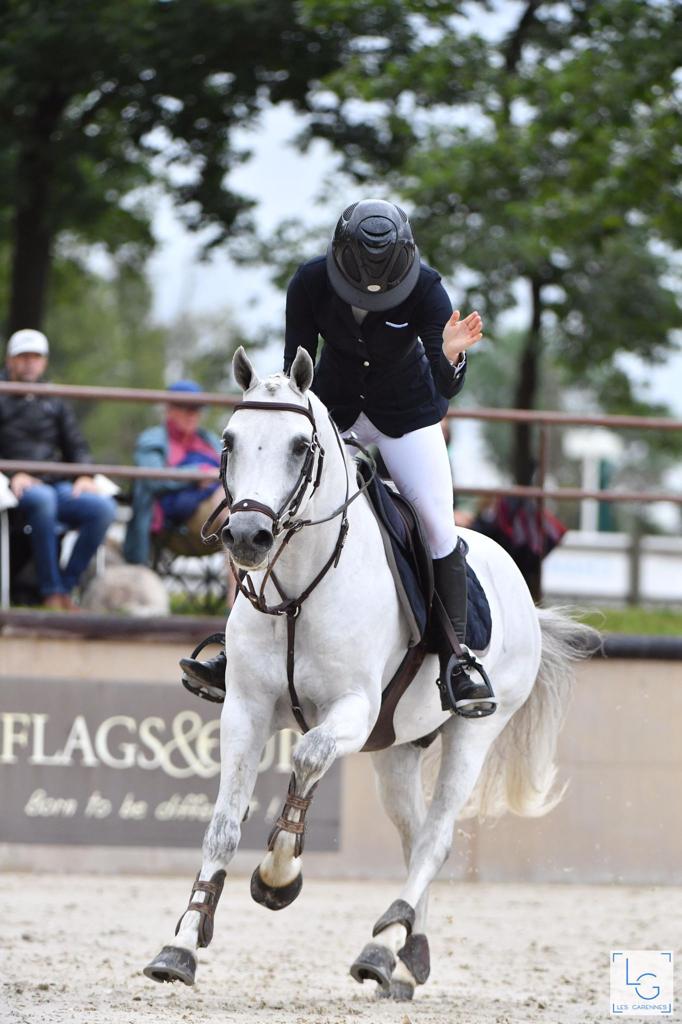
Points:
x=279, y=406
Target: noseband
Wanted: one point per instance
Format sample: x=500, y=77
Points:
x=284, y=520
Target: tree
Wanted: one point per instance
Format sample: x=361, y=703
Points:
x=98, y=100
x=547, y=157
x=100, y=331
x=201, y=347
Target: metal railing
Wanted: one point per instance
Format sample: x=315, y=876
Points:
x=90, y=393
x=543, y=420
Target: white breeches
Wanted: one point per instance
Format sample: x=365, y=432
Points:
x=420, y=468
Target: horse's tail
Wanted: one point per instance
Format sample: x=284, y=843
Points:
x=519, y=773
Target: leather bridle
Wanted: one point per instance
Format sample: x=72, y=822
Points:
x=293, y=501
x=284, y=521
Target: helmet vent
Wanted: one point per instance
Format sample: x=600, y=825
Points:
x=399, y=268
x=350, y=267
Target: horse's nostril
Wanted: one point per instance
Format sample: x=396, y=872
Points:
x=263, y=539
x=227, y=536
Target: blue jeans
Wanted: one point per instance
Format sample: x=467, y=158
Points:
x=45, y=506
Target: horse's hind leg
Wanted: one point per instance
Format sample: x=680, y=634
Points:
x=465, y=745
x=244, y=732
x=401, y=960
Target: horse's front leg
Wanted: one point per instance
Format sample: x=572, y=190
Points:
x=244, y=730
x=278, y=879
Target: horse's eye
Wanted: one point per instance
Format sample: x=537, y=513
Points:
x=300, y=446
x=227, y=443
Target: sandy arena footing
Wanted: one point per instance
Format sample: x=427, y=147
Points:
x=72, y=949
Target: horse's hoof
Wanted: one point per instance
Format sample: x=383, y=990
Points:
x=275, y=897
x=375, y=963
x=416, y=957
x=173, y=964
x=399, y=991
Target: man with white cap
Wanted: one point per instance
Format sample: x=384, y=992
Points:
x=43, y=428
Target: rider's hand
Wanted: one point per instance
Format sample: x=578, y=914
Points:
x=459, y=335
x=21, y=482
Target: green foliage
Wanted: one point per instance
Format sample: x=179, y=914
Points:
x=98, y=100
x=493, y=384
x=549, y=156
x=100, y=333
x=198, y=604
x=283, y=250
x=201, y=348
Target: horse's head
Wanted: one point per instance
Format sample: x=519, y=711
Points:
x=272, y=458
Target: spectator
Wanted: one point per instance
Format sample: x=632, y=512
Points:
x=525, y=530
x=41, y=428
x=161, y=504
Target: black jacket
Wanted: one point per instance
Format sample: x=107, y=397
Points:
x=391, y=366
x=40, y=428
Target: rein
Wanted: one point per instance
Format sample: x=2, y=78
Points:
x=284, y=519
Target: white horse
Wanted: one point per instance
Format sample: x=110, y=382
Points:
x=348, y=637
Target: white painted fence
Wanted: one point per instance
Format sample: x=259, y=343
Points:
x=600, y=566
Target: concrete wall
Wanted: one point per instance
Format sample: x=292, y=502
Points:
x=620, y=751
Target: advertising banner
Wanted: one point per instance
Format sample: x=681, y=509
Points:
x=131, y=764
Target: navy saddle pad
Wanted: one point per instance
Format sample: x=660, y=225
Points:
x=408, y=555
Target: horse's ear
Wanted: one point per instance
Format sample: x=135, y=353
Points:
x=244, y=373
x=301, y=372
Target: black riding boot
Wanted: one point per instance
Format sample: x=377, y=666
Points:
x=206, y=678
x=471, y=698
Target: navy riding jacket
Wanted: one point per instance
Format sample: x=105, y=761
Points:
x=391, y=366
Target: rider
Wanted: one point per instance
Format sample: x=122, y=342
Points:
x=394, y=354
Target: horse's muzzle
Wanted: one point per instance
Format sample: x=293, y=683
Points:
x=248, y=537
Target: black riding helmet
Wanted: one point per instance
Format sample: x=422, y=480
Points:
x=372, y=260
